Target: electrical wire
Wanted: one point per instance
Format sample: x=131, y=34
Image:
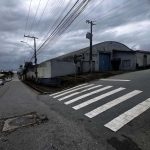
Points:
x=87, y=14
x=35, y=16
x=122, y=13
x=53, y=14
x=80, y=9
x=41, y=16
x=59, y=23
x=55, y=23
x=67, y=22
x=114, y=8
x=55, y=11
x=135, y=16
x=27, y=17
x=26, y=29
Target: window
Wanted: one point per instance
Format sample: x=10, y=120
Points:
x=126, y=63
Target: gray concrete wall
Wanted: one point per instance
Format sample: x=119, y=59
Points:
x=85, y=66
x=31, y=73
x=126, y=56
x=139, y=58
x=62, y=68
x=95, y=58
x=107, y=47
x=44, y=70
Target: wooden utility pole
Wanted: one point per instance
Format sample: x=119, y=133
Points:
x=34, y=55
x=91, y=40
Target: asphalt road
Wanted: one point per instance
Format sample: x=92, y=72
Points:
x=115, y=111
x=110, y=114
x=58, y=133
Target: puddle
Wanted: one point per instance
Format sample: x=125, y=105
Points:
x=126, y=144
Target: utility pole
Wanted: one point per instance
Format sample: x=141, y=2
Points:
x=34, y=55
x=91, y=40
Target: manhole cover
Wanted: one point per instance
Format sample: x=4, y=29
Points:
x=20, y=121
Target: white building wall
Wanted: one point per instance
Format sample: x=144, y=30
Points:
x=86, y=64
x=62, y=68
x=139, y=58
x=55, y=67
x=44, y=70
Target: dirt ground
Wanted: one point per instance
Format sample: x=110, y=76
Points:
x=70, y=81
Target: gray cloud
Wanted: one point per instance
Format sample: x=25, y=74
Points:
x=130, y=28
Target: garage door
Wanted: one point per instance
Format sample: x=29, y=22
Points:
x=104, y=62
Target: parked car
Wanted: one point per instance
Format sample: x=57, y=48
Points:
x=1, y=82
x=8, y=79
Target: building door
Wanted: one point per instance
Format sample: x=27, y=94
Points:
x=145, y=60
x=104, y=62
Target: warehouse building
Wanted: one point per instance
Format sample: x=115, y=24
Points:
x=106, y=56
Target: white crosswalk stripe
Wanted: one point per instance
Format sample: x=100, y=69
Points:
x=73, y=94
x=109, y=105
x=82, y=87
x=86, y=95
x=97, y=98
x=82, y=91
x=68, y=89
x=114, y=80
x=129, y=115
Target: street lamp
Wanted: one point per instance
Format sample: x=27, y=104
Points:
x=34, y=56
x=27, y=44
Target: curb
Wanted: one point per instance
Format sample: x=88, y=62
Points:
x=41, y=92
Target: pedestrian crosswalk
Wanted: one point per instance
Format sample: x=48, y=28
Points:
x=86, y=91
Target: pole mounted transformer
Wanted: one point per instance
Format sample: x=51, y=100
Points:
x=90, y=37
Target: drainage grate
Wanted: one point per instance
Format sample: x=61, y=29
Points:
x=18, y=122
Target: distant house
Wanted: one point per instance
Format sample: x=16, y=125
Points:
x=106, y=56
x=2, y=76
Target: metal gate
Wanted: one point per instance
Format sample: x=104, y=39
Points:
x=104, y=62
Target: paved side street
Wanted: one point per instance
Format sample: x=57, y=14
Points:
x=58, y=133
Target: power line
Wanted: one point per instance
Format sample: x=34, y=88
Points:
x=135, y=16
x=41, y=16
x=60, y=22
x=123, y=12
x=53, y=14
x=114, y=8
x=44, y=37
x=87, y=14
x=27, y=17
x=26, y=29
x=58, y=35
x=35, y=16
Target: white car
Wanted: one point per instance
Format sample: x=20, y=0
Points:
x=8, y=79
x=1, y=82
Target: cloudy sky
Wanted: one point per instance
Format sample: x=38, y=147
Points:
x=123, y=21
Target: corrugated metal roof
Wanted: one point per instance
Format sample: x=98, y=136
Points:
x=81, y=51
